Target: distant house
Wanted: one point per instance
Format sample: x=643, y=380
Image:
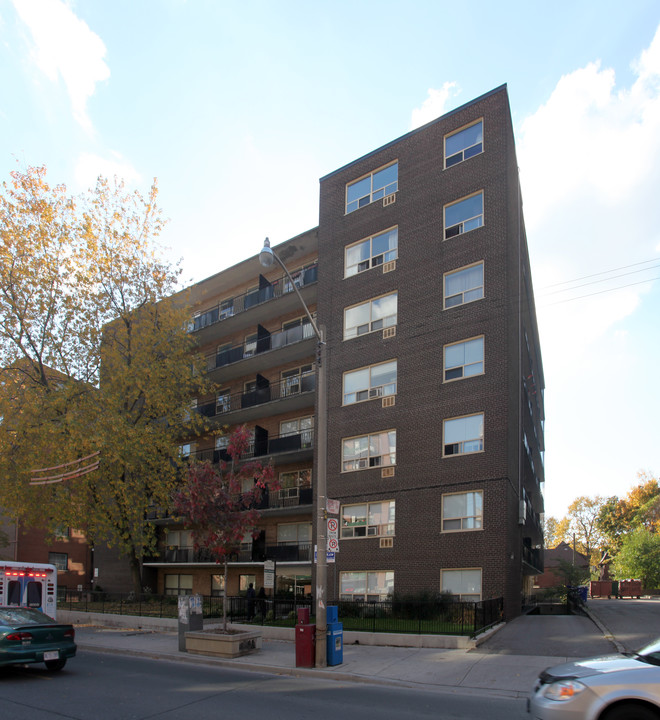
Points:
x=552, y=577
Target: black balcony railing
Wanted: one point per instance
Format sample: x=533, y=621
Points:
x=240, y=303
x=270, y=392
x=260, y=447
x=255, y=552
x=267, y=341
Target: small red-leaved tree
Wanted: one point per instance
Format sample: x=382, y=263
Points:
x=217, y=508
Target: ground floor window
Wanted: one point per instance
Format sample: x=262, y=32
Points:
x=60, y=560
x=370, y=586
x=244, y=582
x=178, y=584
x=217, y=585
x=293, y=585
x=464, y=584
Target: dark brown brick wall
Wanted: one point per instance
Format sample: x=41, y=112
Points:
x=420, y=549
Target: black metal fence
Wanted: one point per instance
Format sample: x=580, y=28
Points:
x=442, y=617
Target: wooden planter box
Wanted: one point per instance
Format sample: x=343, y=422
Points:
x=218, y=644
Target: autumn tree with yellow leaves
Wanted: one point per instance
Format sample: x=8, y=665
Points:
x=96, y=358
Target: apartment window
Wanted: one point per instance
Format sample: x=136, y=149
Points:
x=369, y=586
x=226, y=308
x=294, y=533
x=297, y=380
x=222, y=442
x=370, y=382
x=294, y=479
x=370, y=316
x=373, y=251
x=178, y=584
x=462, y=584
x=367, y=520
x=462, y=511
x=464, y=435
x=60, y=560
x=464, y=215
x=366, y=451
x=179, y=539
x=300, y=426
x=464, y=144
x=464, y=359
x=464, y=285
x=217, y=585
x=187, y=449
x=250, y=346
x=373, y=187
x=223, y=402
x=244, y=582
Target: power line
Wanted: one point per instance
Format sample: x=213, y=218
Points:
x=600, y=292
x=604, y=272
x=594, y=282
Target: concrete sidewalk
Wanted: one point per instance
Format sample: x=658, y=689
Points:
x=449, y=670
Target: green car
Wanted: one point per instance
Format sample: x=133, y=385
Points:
x=30, y=636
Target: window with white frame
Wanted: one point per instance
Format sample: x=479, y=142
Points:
x=370, y=316
x=370, y=382
x=296, y=479
x=463, y=435
x=462, y=584
x=187, y=449
x=294, y=533
x=370, y=586
x=299, y=426
x=250, y=345
x=60, y=560
x=290, y=484
x=367, y=520
x=464, y=144
x=464, y=359
x=178, y=584
x=367, y=451
x=223, y=402
x=464, y=285
x=464, y=215
x=373, y=251
x=462, y=511
x=372, y=187
x=221, y=442
x=179, y=539
x=294, y=380
x=217, y=585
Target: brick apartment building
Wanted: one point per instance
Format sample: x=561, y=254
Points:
x=419, y=274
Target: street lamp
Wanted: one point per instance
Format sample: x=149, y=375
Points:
x=266, y=258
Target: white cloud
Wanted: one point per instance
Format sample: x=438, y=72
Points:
x=64, y=46
x=90, y=166
x=590, y=168
x=434, y=105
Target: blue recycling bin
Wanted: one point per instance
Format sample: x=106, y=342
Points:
x=335, y=637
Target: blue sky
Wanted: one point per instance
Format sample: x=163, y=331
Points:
x=238, y=108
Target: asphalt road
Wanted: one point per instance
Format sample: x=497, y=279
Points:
x=96, y=686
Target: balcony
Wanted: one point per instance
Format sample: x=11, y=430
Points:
x=254, y=553
x=237, y=312
x=288, y=395
x=281, y=448
x=285, y=345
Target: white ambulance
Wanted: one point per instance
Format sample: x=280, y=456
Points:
x=29, y=585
